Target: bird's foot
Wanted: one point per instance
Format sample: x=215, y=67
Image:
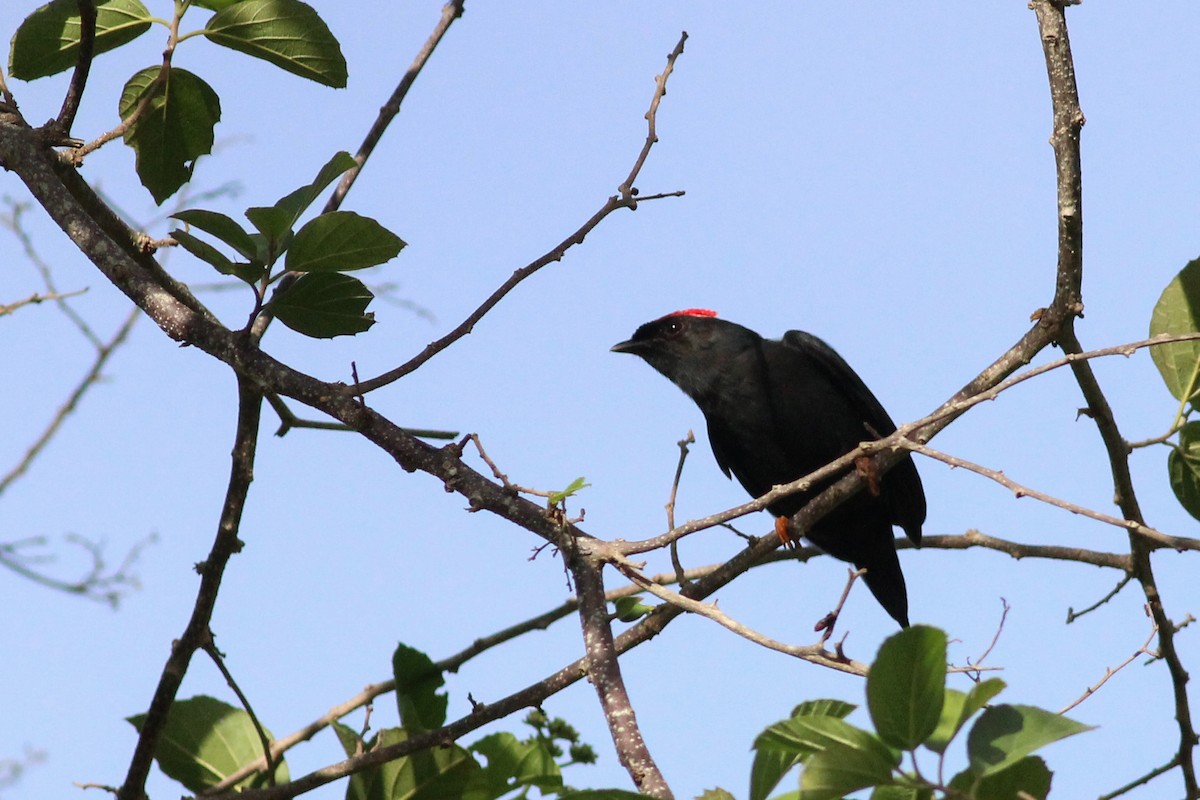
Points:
x=781, y=530
x=867, y=470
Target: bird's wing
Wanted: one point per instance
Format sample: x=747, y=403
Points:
x=905, y=495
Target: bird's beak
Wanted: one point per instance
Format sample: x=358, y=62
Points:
x=627, y=346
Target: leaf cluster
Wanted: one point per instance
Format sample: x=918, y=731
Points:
x=168, y=117
x=169, y=114
x=322, y=301
x=911, y=708
x=207, y=740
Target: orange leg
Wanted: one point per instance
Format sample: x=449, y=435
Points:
x=781, y=530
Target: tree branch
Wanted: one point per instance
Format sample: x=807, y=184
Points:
x=450, y=12
x=626, y=198
x=1132, y=526
x=605, y=674
x=1068, y=121
x=197, y=633
x=87, y=45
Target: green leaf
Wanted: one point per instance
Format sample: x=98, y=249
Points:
x=1005, y=734
x=1178, y=312
x=958, y=708
x=770, y=765
x=341, y=241
x=714, y=794
x=807, y=735
x=1183, y=467
x=894, y=792
x=824, y=708
x=250, y=273
x=631, y=608
x=324, y=305
x=1029, y=775
x=204, y=251
x=348, y=738
x=276, y=221
x=576, y=485
x=216, y=5
x=841, y=768
x=222, y=227
x=433, y=774
x=511, y=764
x=206, y=741
x=602, y=794
x=780, y=747
x=422, y=707
x=906, y=686
x=47, y=42
x=175, y=130
x=287, y=33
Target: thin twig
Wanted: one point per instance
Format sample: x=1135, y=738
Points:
x=1110, y=671
x=1143, y=780
x=1020, y=490
x=626, y=189
x=36, y=299
x=87, y=46
x=1073, y=615
x=14, y=221
x=450, y=12
x=683, y=454
x=288, y=420
x=625, y=199
x=209, y=646
x=149, y=94
x=99, y=583
x=1020, y=550
x=89, y=380
x=973, y=665
x=814, y=653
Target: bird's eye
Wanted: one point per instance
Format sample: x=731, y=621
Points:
x=673, y=328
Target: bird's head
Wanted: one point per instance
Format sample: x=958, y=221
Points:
x=692, y=348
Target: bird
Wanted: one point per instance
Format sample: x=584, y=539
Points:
x=777, y=410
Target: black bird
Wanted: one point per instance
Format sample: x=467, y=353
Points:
x=776, y=411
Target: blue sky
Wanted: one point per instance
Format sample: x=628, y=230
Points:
x=877, y=174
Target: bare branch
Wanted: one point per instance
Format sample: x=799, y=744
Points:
x=36, y=299
x=1020, y=490
x=683, y=454
x=1068, y=121
x=625, y=199
x=1073, y=615
x=89, y=380
x=814, y=653
x=1110, y=671
x=605, y=674
x=99, y=582
x=626, y=190
x=197, y=633
x=87, y=45
x=1142, y=781
x=450, y=12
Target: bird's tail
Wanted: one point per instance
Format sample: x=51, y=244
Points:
x=886, y=581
